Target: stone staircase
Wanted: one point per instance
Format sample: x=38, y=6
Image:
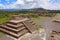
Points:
x=55, y=36
x=17, y=28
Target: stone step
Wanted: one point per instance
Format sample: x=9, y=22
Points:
x=12, y=23
x=29, y=26
x=14, y=34
x=18, y=21
x=12, y=29
x=57, y=37
x=31, y=22
x=14, y=26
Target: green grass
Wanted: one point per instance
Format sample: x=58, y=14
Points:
x=39, y=27
x=1, y=34
x=37, y=18
x=55, y=15
x=2, y=20
x=5, y=18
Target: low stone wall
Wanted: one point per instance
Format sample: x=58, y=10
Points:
x=36, y=15
x=29, y=16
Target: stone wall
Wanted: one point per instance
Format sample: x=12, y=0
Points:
x=36, y=15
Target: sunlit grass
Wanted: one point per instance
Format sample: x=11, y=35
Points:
x=39, y=27
x=55, y=15
x=5, y=18
x=1, y=34
x=2, y=20
x=37, y=18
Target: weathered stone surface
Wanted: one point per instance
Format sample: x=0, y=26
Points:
x=18, y=26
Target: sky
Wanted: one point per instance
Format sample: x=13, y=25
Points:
x=29, y=4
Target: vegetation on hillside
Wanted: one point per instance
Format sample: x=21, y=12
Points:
x=6, y=15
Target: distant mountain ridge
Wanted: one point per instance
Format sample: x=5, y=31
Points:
x=21, y=9
x=34, y=9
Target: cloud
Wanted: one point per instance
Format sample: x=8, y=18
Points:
x=1, y=6
x=29, y=0
x=48, y=5
x=27, y=4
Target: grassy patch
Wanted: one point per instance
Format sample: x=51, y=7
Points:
x=39, y=27
x=1, y=34
x=2, y=20
x=37, y=18
x=55, y=15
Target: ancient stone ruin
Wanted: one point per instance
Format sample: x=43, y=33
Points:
x=57, y=19
x=54, y=36
x=18, y=26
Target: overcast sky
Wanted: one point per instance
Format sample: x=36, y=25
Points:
x=28, y=4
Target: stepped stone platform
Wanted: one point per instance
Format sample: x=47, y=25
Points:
x=54, y=36
x=18, y=26
x=57, y=19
